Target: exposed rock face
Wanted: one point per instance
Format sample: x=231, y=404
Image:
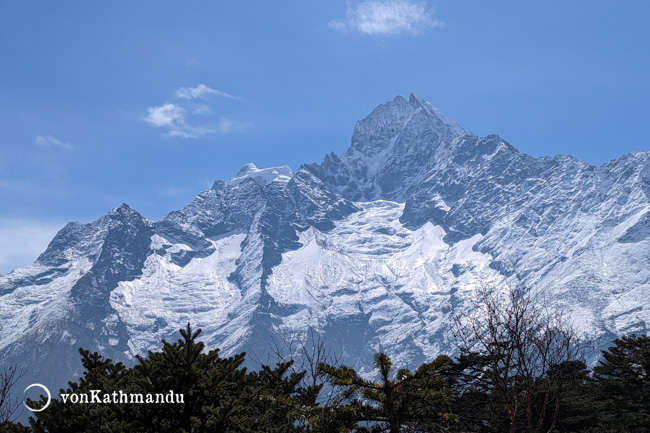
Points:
x=372, y=249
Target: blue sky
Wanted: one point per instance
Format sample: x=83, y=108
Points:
x=149, y=102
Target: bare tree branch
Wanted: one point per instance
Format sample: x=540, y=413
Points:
x=9, y=406
x=515, y=341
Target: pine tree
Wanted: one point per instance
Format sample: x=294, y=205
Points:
x=12, y=427
x=210, y=386
x=100, y=374
x=397, y=400
x=274, y=403
x=218, y=394
x=571, y=388
x=623, y=380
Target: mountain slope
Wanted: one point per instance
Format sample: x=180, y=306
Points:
x=372, y=249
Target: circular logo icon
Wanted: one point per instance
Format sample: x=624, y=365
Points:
x=47, y=391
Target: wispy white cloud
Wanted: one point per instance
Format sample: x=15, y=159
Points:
x=201, y=91
x=169, y=115
x=201, y=109
x=387, y=18
x=23, y=240
x=173, y=118
x=186, y=118
x=50, y=141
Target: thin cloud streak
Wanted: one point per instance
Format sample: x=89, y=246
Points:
x=50, y=141
x=202, y=91
x=387, y=18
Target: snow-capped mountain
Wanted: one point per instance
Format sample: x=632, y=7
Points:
x=371, y=249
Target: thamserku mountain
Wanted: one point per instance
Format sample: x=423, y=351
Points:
x=374, y=250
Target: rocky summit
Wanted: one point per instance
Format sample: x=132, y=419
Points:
x=374, y=250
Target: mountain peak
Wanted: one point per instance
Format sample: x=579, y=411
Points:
x=123, y=213
x=390, y=148
x=123, y=209
x=413, y=98
x=262, y=176
x=433, y=113
x=381, y=127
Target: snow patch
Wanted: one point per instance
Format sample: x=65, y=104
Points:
x=166, y=297
x=263, y=176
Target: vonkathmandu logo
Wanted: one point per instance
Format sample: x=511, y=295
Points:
x=96, y=396
x=121, y=397
x=47, y=391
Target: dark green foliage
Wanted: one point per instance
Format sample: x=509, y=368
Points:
x=508, y=350
x=219, y=395
x=10, y=427
x=211, y=387
x=568, y=387
x=476, y=406
x=399, y=400
x=100, y=374
x=566, y=398
x=273, y=405
x=623, y=385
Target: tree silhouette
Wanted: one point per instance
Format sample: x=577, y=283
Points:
x=397, y=400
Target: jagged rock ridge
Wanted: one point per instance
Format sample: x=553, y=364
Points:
x=372, y=249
